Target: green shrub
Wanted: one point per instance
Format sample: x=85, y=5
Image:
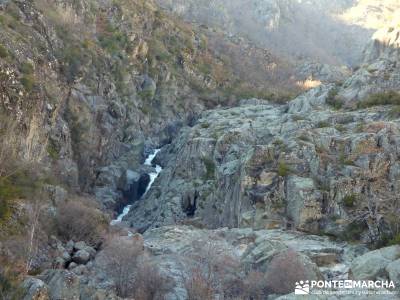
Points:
x=28, y=81
x=304, y=137
x=26, y=68
x=353, y=231
x=113, y=40
x=340, y=127
x=8, y=192
x=283, y=169
x=349, y=200
x=146, y=95
x=395, y=240
x=395, y=112
x=9, y=286
x=3, y=51
x=384, y=98
x=53, y=149
x=210, y=168
x=333, y=100
x=72, y=58
x=323, y=124
x=345, y=161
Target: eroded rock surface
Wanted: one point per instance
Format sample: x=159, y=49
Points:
x=267, y=166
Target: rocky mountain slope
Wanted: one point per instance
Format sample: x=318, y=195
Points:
x=257, y=189
x=333, y=32
x=312, y=164
x=84, y=85
x=297, y=29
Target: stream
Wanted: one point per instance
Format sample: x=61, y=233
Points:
x=153, y=176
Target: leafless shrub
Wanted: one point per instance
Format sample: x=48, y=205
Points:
x=121, y=256
x=214, y=272
x=284, y=271
x=133, y=273
x=149, y=283
x=255, y=286
x=80, y=220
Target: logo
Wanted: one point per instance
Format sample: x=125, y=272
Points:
x=344, y=287
x=302, y=288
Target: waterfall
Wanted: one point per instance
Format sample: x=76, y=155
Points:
x=153, y=176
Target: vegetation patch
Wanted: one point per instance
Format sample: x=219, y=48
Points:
x=3, y=51
x=333, y=99
x=323, y=124
x=210, y=168
x=53, y=149
x=340, y=128
x=350, y=200
x=395, y=112
x=283, y=169
x=80, y=220
x=353, y=231
x=384, y=98
x=26, y=68
x=345, y=161
x=28, y=82
x=10, y=286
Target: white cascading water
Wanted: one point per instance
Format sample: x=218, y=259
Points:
x=153, y=176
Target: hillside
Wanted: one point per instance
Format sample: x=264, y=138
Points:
x=333, y=32
x=198, y=149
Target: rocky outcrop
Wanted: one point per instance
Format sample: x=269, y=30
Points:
x=109, y=85
x=72, y=254
x=374, y=264
x=174, y=248
x=35, y=289
x=379, y=70
x=302, y=166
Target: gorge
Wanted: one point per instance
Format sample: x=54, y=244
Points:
x=156, y=149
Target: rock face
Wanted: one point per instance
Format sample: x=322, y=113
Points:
x=173, y=248
x=379, y=70
x=87, y=108
x=302, y=166
x=310, y=165
x=376, y=264
x=312, y=26
x=35, y=289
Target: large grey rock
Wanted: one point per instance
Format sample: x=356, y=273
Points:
x=373, y=264
x=62, y=284
x=81, y=257
x=80, y=245
x=393, y=270
x=35, y=289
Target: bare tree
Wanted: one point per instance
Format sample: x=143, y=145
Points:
x=34, y=212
